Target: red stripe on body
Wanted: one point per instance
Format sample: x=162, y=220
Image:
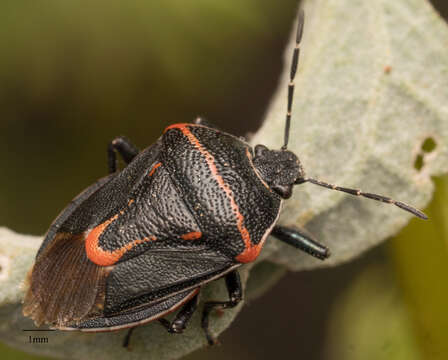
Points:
x=251, y=251
x=151, y=173
x=194, y=235
x=179, y=126
x=104, y=257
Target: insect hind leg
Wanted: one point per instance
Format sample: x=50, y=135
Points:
x=124, y=147
x=235, y=291
x=179, y=323
x=127, y=338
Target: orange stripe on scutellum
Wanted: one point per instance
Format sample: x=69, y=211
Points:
x=251, y=251
x=194, y=235
x=104, y=257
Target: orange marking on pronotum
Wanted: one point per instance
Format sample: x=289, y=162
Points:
x=154, y=168
x=104, y=257
x=177, y=126
x=194, y=235
x=251, y=252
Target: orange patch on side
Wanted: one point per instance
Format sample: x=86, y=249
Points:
x=103, y=257
x=154, y=168
x=251, y=252
x=194, y=235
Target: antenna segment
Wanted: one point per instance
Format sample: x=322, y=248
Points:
x=294, y=65
x=376, y=197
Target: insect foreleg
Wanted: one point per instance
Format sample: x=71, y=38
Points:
x=301, y=240
x=124, y=147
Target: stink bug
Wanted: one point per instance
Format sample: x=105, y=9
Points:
x=189, y=209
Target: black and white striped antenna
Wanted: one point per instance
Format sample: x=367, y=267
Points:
x=294, y=65
x=356, y=192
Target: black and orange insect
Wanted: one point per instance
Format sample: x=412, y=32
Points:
x=189, y=209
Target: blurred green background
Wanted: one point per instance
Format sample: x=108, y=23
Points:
x=73, y=75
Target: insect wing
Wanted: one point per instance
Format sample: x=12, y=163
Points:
x=142, y=315
x=159, y=274
x=65, y=286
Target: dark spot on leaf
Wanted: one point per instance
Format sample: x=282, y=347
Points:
x=418, y=163
x=429, y=145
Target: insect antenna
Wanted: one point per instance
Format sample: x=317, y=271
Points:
x=376, y=197
x=294, y=64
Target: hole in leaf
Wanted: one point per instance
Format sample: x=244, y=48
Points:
x=3, y=267
x=418, y=163
x=429, y=145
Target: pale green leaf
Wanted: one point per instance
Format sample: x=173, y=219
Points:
x=372, y=86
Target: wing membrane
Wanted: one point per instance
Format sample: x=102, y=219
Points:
x=65, y=286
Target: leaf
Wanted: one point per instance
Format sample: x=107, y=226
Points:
x=354, y=123
x=371, y=88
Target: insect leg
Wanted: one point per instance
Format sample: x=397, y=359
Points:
x=179, y=323
x=123, y=146
x=301, y=240
x=235, y=290
x=127, y=338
